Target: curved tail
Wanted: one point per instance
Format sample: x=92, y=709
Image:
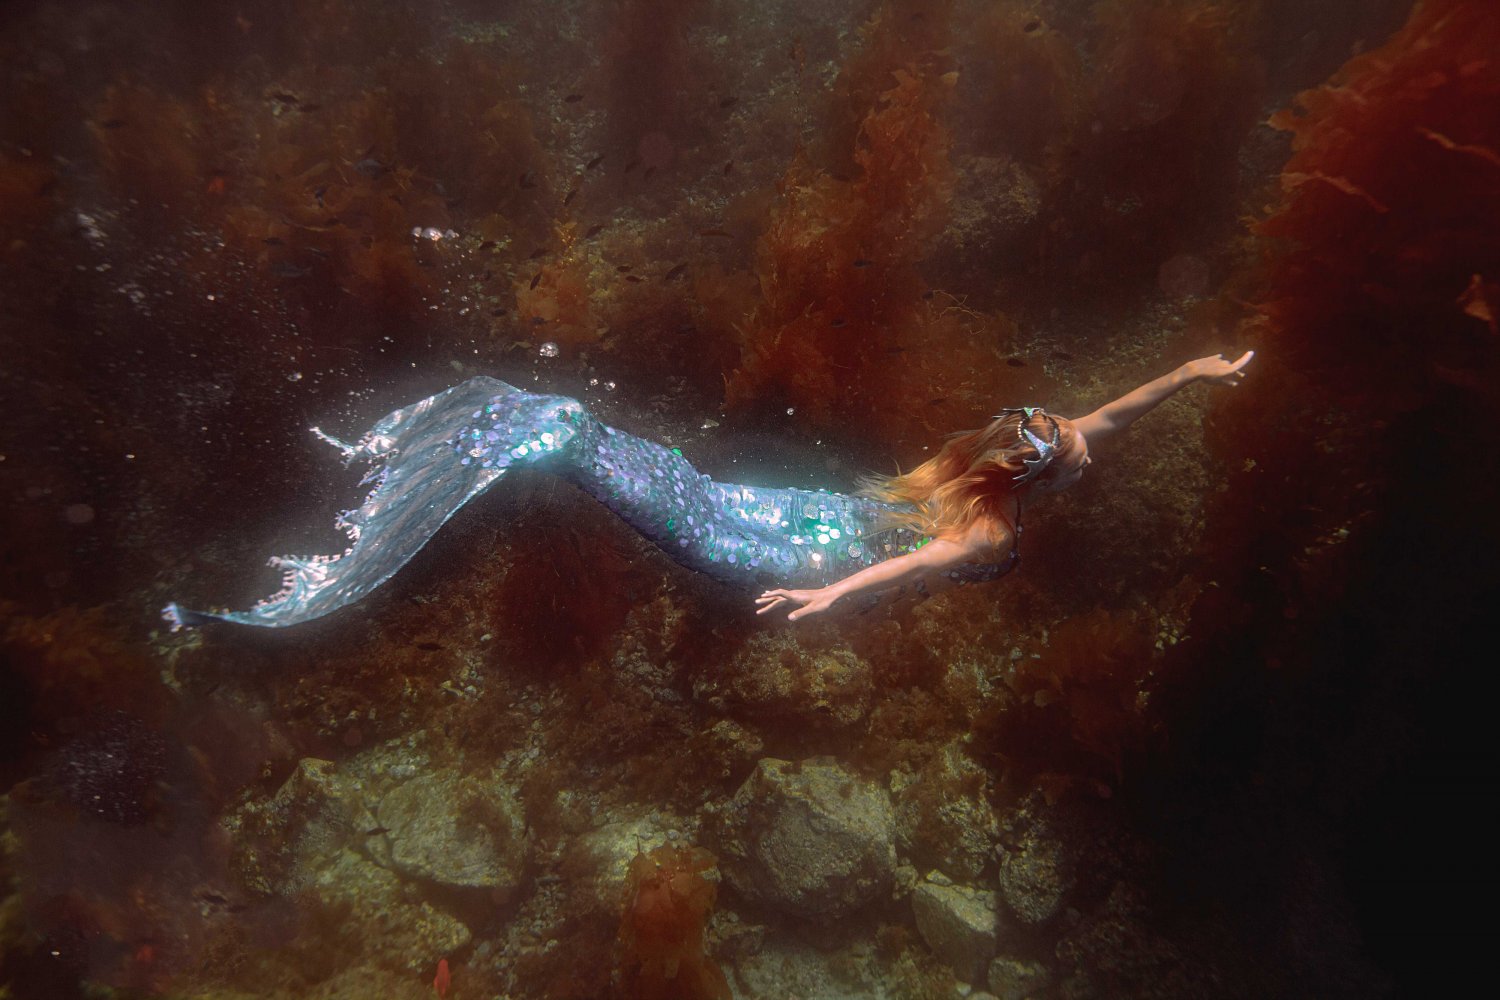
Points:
x=432, y=457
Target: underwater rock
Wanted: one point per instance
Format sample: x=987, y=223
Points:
x=315, y=840
x=1037, y=866
x=939, y=822
x=809, y=838
x=1017, y=979
x=286, y=841
x=790, y=967
x=733, y=743
x=436, y=832
x=958, y=923
x=994, y=205
x=775, y=679
x=377, y=917
x=616, y=844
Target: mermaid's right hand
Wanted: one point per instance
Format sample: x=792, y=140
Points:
x=813, y=601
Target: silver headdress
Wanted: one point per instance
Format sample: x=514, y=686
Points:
x=1045, y=450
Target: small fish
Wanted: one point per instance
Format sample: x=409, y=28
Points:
x=536, y=280
x=728, y=168
x=928, y=294
x=429, y=647
x=527, y=181
x=378, y=831
x=594, y=162
x=569, y=199
x=716, y=232
x=594, y=230
x=112, y=123
x=838, y=322
x=498, y=311
x=442, y=980
x=487, y=245
x=285, y=98
x=1062, y=355
x=535, y=321
x=895, y=350
x=316, y=252
x=286, y=269
x=274, y=241
x=623, y=268
x=862, y=262
x=572, y=98
x=675, y=271
x=728, y=102
x=634, y=279
x=538, y=252
x=1015, y=362
x=318, y=193
x=370, y=167
x=1031, y=27
x=939, y=400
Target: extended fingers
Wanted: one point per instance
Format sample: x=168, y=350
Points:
x=771, y=599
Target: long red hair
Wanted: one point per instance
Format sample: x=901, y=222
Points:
x=971, y=476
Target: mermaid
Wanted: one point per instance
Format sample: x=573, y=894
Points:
x=955, y=519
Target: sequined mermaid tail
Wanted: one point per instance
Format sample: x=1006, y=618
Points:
x=438, y=454
x=425, y=473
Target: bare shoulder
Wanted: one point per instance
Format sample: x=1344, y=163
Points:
x=1095, y=427
x=987, y=540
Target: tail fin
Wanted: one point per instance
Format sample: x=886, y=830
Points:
x=432, y=457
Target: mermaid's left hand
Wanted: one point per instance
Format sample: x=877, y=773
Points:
x=812, y=601
x=1219, y=371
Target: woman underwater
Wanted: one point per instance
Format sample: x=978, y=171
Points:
x=955, y=518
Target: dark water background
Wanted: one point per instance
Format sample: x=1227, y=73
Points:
x=1236, y=681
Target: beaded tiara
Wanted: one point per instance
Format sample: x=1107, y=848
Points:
x=1045, y=450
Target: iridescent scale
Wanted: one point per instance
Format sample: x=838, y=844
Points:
x=441, y=452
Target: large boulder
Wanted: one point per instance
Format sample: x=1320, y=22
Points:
x=943, y=819
x=958, y=923
x=456, y=832
x=810, y=838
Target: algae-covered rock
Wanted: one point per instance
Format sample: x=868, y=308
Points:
x=809, y=838
x=1017, y=979
x=958, y=923
x=1037, y=862
x=774, y=678
x=455, y=831
x=317, y=812
x=943, y=819
x=614, y=845
x=380, y=919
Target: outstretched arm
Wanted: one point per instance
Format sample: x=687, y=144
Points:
x=937, y=555
x=1120, y=414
